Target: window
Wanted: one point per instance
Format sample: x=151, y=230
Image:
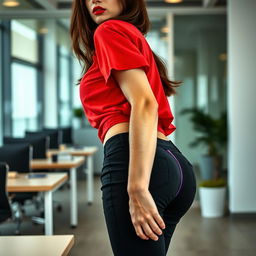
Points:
x=24, y=76
x=24, y=99
x=64, y=82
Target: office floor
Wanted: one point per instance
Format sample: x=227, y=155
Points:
x=194, y=235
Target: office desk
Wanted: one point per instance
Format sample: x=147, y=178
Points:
x=88, y=152
x=72, y=165
x=46, y=185
x=57, y=245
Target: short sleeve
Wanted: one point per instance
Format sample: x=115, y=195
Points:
x=116, y=48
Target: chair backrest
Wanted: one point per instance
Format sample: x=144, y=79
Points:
x=5, y=209
x=55, y=130
x=67, y=135
x=39, y=143
x=17, y=156
x=55, y=137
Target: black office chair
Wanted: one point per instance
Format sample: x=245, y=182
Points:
x=18, y=157
x=5, y=208
x=67, y=135
x=40, y=144
x=57, y=131
x=54, y=134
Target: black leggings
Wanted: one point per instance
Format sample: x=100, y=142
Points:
x=172, y=186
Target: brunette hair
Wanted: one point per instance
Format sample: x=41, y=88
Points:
x=82, y=29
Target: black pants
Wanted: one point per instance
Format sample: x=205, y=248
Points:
x=172, y=186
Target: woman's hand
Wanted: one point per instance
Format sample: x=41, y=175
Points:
x=144, y=214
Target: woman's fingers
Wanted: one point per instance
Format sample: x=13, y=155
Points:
x=145, y=216
x=140, y=232
x=154, y=226
x=149, y=232
x=147, y=228
x=159, y=220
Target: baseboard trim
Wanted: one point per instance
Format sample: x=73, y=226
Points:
x=242, y=215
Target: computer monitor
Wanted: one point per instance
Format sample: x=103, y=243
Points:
x=39, y=143
x=17, y=156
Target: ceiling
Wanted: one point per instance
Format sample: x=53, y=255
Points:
x=159, y=3
x=66, y=4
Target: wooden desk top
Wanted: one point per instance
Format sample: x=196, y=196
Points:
x=85, y=151
x=23, y=184
x=56, y=245
x=64, y=164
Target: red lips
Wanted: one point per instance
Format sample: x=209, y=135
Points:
x=97, y=8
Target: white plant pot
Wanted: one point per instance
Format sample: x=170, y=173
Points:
x=212, y=201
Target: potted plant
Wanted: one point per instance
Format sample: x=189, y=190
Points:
x=213, y=134
x=78, y=114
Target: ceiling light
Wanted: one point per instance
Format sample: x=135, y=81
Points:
x=223, y=57
x=43, y=30
x=11, y=3
x=173, y=1
x=165, y=30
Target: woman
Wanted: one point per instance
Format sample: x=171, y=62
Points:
x=147, y=183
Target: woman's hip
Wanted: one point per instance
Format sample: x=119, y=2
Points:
x=169, y=171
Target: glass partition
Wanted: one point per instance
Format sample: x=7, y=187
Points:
x=200, y=62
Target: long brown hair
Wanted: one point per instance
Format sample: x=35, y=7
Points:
x=82, y=28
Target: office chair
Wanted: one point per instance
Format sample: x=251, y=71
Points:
x=5, y=208
x=40, y=144
x=54, y=134
x=18, y=157
x=67, y=135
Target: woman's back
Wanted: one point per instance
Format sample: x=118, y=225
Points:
x=120, y=45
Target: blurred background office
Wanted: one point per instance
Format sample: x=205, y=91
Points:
x=208, y=44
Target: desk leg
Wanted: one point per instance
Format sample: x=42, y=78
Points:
x=48, y=211
x=89, y=172
x=73, y=197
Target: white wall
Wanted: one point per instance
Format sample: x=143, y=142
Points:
x=50, y=76
x=241, y=105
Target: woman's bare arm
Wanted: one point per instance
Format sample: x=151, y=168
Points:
x=143, y=125
x=142, y=138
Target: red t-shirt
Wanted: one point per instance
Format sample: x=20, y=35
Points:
x=119, y=45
